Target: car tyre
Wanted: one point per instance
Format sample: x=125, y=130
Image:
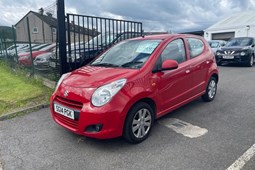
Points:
x=251, y=61
x=211, y=90
x=218, y=63
x=138, y=123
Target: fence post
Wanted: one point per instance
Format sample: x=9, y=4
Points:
x=30, y=48
x=62, y=36
x=14, y=42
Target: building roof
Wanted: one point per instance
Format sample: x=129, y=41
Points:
x=238, y=20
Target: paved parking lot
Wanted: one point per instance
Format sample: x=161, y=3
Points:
x=34, y=141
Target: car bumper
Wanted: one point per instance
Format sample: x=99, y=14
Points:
x=235, y=59
x=41, y=65
x=88, y=117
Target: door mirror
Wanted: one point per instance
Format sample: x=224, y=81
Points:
x=169, y=65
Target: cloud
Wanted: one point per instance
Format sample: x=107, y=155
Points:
x=160, y=15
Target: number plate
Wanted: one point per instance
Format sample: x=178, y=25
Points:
x=52, y=64
x=228, y=57
x=64, y=111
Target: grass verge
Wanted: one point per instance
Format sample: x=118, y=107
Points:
x=19, y=91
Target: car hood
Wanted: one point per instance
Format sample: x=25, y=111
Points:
x=234, y=48
x=94, y=76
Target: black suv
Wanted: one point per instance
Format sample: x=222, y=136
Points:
x=237, y=50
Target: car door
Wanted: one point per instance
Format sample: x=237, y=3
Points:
x=200, y=61
x=173, y=85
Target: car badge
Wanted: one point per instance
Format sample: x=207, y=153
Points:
x=66, y=93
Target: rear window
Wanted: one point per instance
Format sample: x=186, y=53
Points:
x=196, y=47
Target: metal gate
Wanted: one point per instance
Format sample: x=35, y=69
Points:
x=88, y=36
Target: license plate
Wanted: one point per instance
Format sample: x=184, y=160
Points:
x=52, y=64
x=64, y=111
x=228, y=57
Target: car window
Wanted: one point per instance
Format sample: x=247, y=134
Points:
x=174, y=51
x=214, y=44
x=196, y=47
x=128, y=54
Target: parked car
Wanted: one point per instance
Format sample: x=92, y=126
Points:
x=133, y=83
x=237, y=50
x=81, y=53
x=216, y=44
x=25, y=59
x=41, y=62
x=11, y=51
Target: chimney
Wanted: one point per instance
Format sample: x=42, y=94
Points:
x=41, y=11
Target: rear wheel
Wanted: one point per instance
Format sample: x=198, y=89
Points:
x=210, y=90
x=138, y=123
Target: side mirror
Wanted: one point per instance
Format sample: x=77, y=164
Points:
x=169, y=65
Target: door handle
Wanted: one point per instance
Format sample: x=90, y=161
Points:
x=187, y=71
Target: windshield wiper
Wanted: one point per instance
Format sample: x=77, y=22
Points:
x=131, y=63
x=105, y=64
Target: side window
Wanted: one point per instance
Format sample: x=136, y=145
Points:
x=196, y=47
x=174, y=51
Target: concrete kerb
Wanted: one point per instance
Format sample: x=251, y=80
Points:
x=23, y=111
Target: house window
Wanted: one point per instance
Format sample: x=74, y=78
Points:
x=35, y=30
x=54, y=30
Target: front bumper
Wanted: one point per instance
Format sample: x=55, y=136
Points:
x=233, y=59
x=111, y=116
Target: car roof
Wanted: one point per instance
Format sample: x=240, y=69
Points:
x=166, y=36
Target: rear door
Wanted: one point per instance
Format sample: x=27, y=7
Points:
x=200, y=60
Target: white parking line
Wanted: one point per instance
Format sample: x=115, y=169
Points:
x=184, y=128
x=240, y=162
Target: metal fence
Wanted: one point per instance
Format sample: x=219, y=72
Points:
x=88, y=36
x=82, y=38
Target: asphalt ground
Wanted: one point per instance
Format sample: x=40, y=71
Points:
x=35, y=141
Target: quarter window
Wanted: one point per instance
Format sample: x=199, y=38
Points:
x=174, y=51
x=196, y=47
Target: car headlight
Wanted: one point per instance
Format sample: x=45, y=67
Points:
x=105, y=93
x=246, y=48
x=61, y=79
x=218, y=53
x=242, y=53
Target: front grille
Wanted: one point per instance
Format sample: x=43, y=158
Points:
x=67, y=121
x=76, y=106
x=69, y=103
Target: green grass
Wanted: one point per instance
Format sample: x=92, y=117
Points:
x=18, y=91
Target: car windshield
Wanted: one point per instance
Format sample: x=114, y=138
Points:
x=214, y=44
x=48, y=47
x=239, y=42
x=102, y=39
x=128, y=54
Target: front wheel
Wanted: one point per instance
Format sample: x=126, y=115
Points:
x=251, y=61
x=210, y=90
x=138, y=123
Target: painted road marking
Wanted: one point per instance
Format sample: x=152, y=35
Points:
x=1, y=166
x=184, y=128
x=241, y=161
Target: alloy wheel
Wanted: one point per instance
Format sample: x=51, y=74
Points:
x=142, y=122
x=212, y=89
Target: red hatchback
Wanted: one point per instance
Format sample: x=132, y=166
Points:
x=133, y=83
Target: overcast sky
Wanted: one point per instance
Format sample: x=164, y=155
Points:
x=156, y=15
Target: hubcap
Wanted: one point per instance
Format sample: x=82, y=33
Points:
x=212, y=89
x=141, y=123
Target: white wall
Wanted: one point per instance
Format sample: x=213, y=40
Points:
x=239, y=32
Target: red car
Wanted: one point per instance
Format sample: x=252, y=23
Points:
x=133, y=83
x=25, y=59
